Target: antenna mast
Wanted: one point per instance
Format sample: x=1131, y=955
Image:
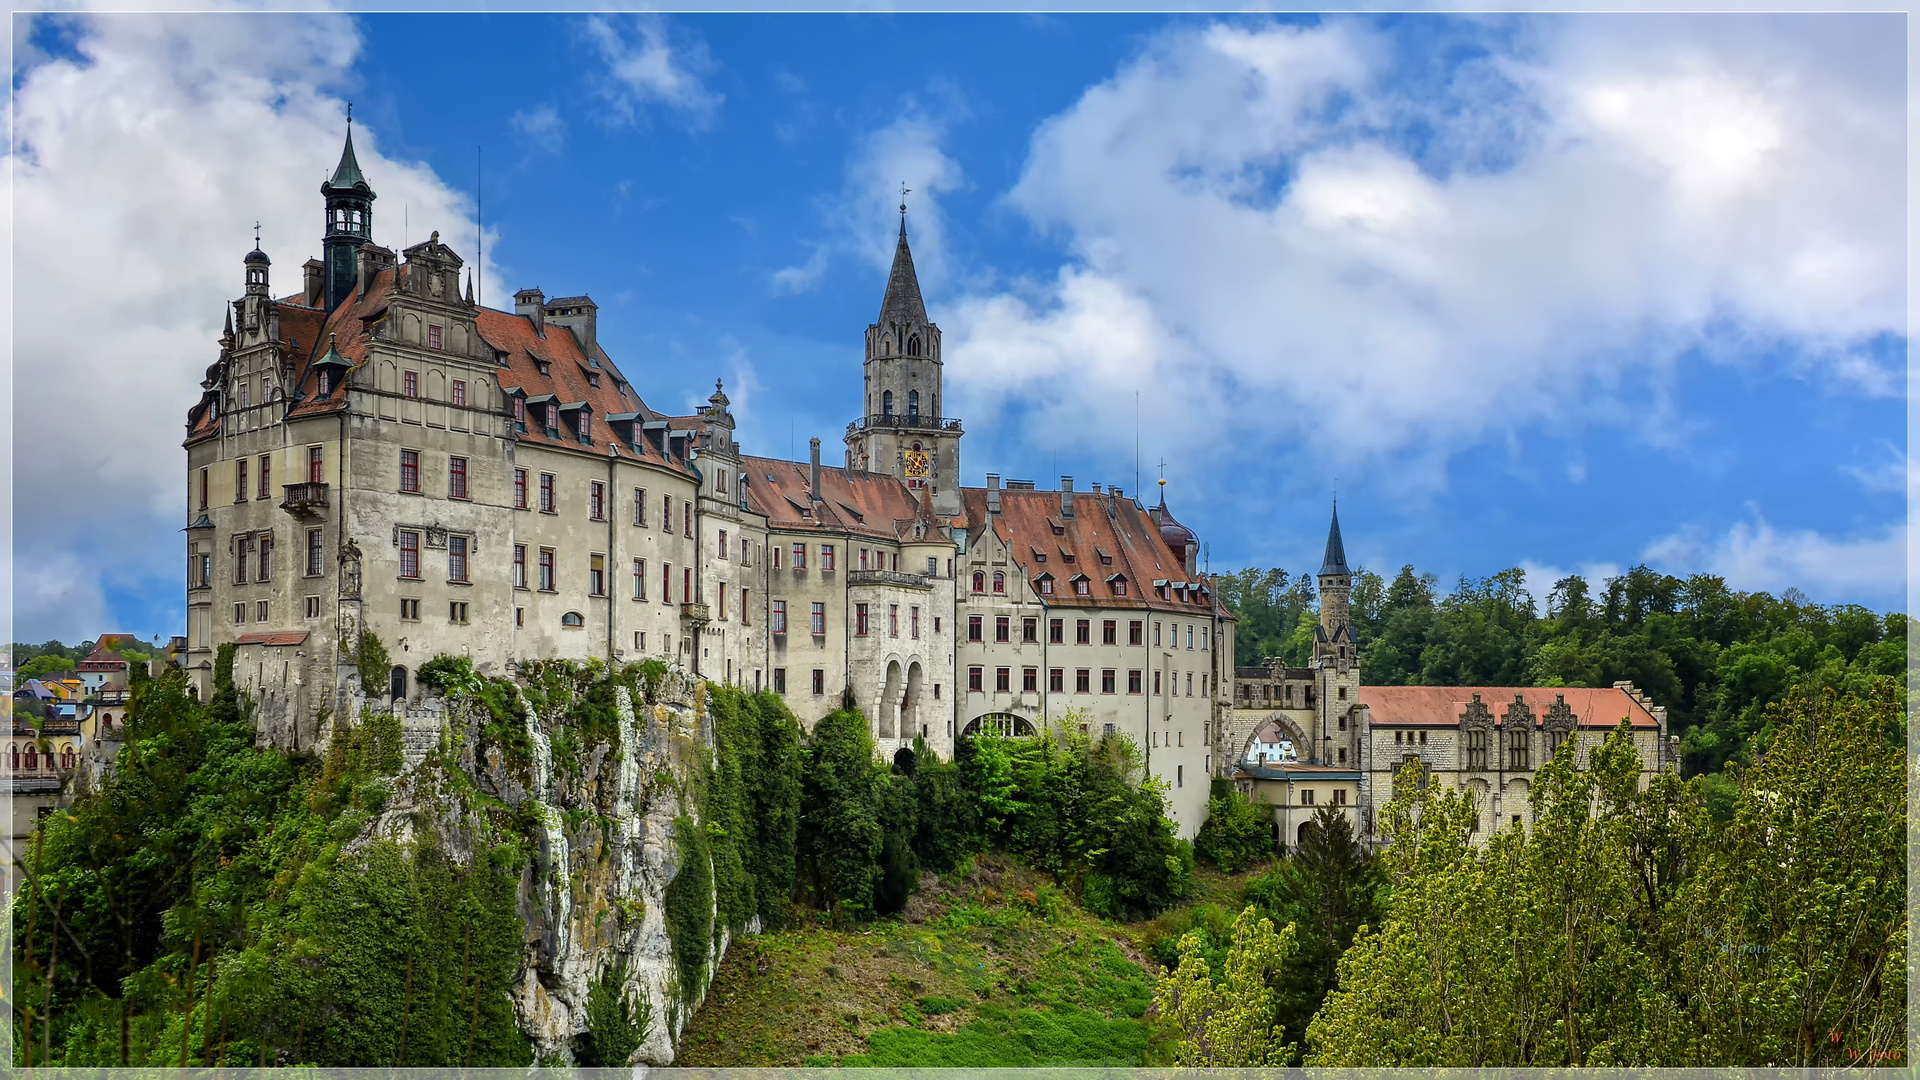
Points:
x=480, y=234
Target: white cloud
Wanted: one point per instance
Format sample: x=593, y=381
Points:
x=645, y=65
x=862, y=217
x=1286, y=239
x=1868, y=566
x=542, y=127
x=1541, y=578
x=140, y=171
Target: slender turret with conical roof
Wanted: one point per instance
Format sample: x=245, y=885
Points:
x=903, y=432
x=1335, y=561
x=349, y=221
x=902, y=305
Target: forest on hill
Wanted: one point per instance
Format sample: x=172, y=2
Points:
x=1713, y=655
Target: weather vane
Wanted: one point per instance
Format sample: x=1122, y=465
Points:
x=349, y=114
x=903, y=198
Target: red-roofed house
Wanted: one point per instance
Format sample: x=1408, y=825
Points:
x=1485, y=739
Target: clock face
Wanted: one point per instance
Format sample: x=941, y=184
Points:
x=919, y=464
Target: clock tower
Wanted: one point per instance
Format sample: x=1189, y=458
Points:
x=902, y=431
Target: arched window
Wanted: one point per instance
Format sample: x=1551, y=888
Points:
x=980, y=580
x=33, y=757
x=398, y=683
x=913, y=403
x=573, y=619
x=66, y=758
x=13, y=757
x=886, y=403
x=999, y=582
x=913, y=345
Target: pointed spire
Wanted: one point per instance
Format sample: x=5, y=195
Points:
x=902, y=303
x=347, y=174
x=1336, y=557
x=469, y=288
x=228, y=333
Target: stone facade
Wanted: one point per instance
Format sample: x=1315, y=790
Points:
x=379, y=453
x=1488, y=740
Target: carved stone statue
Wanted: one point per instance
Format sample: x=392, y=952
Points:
x=350, y=570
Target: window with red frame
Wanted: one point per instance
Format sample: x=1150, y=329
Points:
x=457, y=478
x=316, y=465
x=433, y=337
x=410, y=470
x=410, y=384
x=460, y=392
x=409, y=554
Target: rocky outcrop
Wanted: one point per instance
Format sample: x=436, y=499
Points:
x=597, y=807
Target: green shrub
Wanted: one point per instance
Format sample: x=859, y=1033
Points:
x=689, y=901
x=617, y=1024
x=1236, y=833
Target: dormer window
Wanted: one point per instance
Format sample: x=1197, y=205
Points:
x=546, y=369
x=1118, y=584
x=593, y=380
x=519, y=413
x=1045, y=583
x=324, y=389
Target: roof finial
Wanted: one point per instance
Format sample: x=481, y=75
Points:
x=349, y=114
x=256, y=236
x=904, y=189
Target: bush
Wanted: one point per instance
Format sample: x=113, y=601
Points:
x=1236, y=833
x=689, y=901
x=616, y=1023
x=371, y=660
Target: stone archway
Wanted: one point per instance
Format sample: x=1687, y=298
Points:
x=890, y=702
x=1241, y=731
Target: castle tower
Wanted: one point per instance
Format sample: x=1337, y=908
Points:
x=1336, y=659
x=349, y=222
x=902, y=431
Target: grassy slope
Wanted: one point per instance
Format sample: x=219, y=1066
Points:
x=993, y=968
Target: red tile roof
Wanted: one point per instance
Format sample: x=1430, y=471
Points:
x=1118, y=526
x=286, y=637
x=1442, y=706
x=870, y=504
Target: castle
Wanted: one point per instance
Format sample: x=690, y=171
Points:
x=457, y=479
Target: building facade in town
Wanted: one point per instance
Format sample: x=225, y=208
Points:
x=376, y=453
x=1485, y=739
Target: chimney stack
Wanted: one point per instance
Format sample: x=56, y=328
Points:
x=316, y=283
x=533, y=304
x=813, y=473
x=1066, y=496
x=993, y=493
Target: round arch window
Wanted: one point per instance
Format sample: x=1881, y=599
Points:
x=573, y=620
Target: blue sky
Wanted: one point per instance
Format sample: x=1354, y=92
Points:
x=1561, y=293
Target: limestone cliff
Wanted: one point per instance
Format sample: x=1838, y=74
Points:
x=596, y=773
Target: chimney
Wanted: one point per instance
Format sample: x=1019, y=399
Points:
x=316, y=283
x=533, y=304
x=813, y=473
x=1096, y=487
x=1066, y=496
x=1154, y=513
x=993, y=493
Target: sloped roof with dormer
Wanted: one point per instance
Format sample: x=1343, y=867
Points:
x=1443, y=706
x=860, y=503
x=1100, y=522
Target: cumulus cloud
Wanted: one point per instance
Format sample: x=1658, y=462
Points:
x=646, y=65
x=1303, y=239
x=1757, y=556
x=905, y=152
x=141, y=165
x=542, y=127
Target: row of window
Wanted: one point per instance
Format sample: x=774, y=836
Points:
x=1269, y=696
x=410, y=380
x=1082, y=681
x=1082, y=631
x=242, y=491
x=30, y=761
x=1519, y=746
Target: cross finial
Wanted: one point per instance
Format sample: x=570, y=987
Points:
x=256, y=236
